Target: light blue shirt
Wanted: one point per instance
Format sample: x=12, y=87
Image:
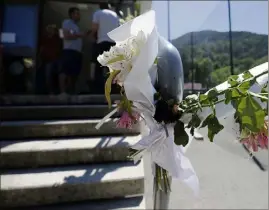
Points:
x=72, y=27
x=107, y=21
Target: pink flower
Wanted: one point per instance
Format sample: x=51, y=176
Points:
x=251, y=142
x=263, y=141
x=258, y=139
x=127, y=121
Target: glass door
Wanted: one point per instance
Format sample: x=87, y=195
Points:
x=19, y=41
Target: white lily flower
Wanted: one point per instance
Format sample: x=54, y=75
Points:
x=122, y=55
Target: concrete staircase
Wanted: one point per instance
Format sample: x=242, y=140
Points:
x=52, y=157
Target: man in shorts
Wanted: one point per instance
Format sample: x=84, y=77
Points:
x=71, y=56
x=104, y=21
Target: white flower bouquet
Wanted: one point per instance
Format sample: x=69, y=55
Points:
x=130, y=63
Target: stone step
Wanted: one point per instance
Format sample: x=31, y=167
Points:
x=51, y=112
x=36, y=153
x=70, y=184
x=55, y=99
x=52, y=128
x=137, y=202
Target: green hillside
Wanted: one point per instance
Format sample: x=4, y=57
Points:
x=211, y=54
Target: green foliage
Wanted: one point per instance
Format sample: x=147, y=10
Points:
x=212, y=58
x=249, y=113
x=220, y=75
x=213, y=125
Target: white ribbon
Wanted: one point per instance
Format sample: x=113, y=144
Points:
x=166, y=153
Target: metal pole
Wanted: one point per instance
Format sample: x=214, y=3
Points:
x=230, y=38
x=168, y=20
x=192, y=64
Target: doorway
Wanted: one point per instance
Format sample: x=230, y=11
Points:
x=19, y=24
x=54, y=13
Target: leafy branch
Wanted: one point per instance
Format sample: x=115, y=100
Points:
x=250, y=114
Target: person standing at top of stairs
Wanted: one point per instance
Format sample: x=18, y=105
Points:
x=104, y=21
x=71, y=55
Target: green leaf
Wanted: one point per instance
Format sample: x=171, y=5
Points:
x=212, y=95
x=247, y=75
x=251, y=113
x=192, y=131
x=180, y=135
x=156, y=61
x=235, y=103
x=202, y=97
x=235, y=93
x=109, y=80
x=194, y=122
x=232, y=80
x=213, y=125
x=210, y=135
x=244, y=87
x=228, y=96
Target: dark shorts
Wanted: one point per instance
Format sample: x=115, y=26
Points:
x=100, y=48
x=51, y=68
x=71, y=62
x=94, y=54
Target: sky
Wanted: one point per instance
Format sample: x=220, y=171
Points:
x=187, y=16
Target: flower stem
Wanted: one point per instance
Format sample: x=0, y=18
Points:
x=161, y=179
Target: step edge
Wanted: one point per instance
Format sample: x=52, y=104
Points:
x=22, y=172
x=130, y=140
x=73, y=184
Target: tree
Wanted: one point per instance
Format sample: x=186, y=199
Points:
x=212, y=54
x=220, y=75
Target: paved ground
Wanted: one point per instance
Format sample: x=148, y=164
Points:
x=227, y=179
